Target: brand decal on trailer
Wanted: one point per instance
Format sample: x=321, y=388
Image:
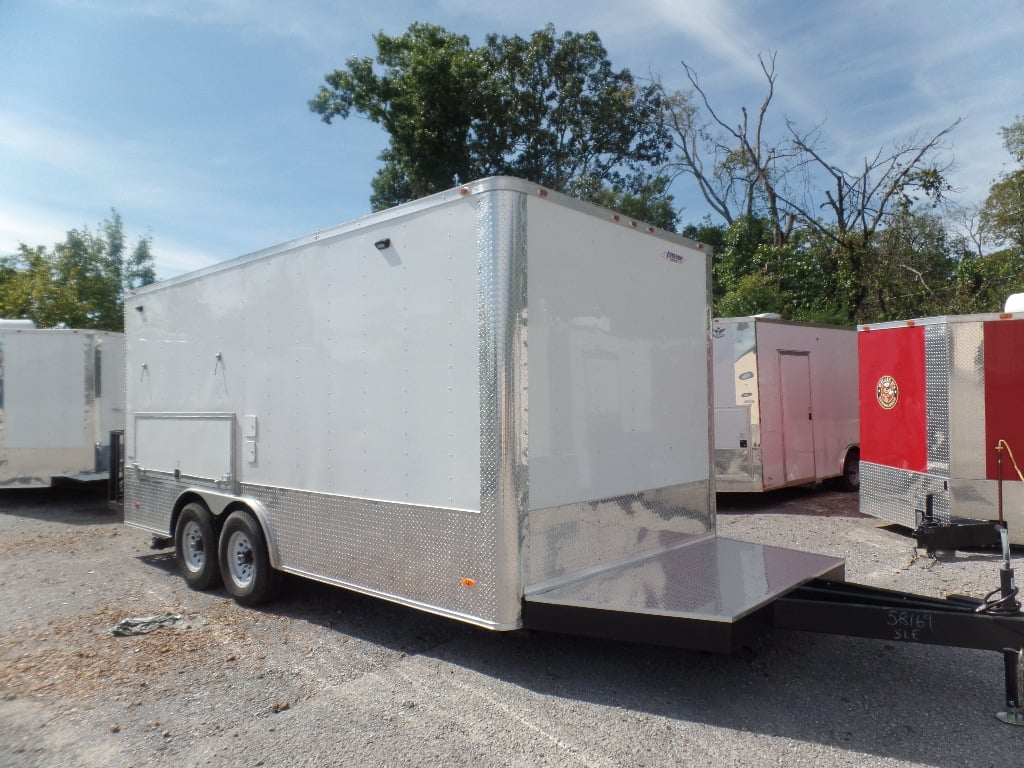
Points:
x=887, y=392
x=675, y=258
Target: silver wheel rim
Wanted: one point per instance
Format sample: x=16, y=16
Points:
x=192, y=549
x=240, y=559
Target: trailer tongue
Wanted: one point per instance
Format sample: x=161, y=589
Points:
x=718, y=595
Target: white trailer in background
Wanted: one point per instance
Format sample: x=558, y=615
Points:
x=491, y=404
x=61, y=395
x=785, y=396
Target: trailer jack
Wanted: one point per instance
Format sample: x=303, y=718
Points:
x=995, y=623
x=932, y=533
x=1013, y=662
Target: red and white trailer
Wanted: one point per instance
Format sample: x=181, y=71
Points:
x=937, y=397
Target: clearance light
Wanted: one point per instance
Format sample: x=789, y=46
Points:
x=615, y=217
x=542, y=192
x=468, y=582
x=910, y=323
x=464, y=191
x=1006, y=316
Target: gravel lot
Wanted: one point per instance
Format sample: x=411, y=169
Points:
x=324, y=677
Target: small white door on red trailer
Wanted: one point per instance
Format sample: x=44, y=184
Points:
x=798, y=435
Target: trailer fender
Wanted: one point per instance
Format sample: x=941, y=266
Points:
x=849, y=469
x=223, y=504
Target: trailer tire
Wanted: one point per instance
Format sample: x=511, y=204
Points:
x=245, y=562
x=851, y=470
x=195, y=547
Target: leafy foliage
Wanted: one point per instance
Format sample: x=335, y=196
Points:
x=426, y=99
x=80, y=283
x=1002, y=215
x=547, y=108
x=557, y=113
x=652, y=203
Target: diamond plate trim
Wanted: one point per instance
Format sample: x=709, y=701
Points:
x=899, y=495
x=738, y=469
x=149, y=502
x=937, y=355
x=408, y=554
x=504, y=476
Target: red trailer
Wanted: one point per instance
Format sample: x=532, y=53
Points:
x=939, y=397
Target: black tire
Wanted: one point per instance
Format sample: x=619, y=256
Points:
x=245, y=562
x=851, y=470
x=195, y=547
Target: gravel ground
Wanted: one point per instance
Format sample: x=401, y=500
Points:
x=324, y=677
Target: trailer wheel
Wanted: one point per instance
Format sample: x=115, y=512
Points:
x=244, y=561
x=851, y=470
x=195, y=547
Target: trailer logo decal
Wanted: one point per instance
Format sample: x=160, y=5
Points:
x=887, y=392
x=675, y=258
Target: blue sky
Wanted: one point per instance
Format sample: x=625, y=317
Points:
x=190, y=116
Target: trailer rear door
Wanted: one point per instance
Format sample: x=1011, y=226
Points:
x=798, y=436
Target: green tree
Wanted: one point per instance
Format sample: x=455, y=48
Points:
x=752, y=274
x=80, y=283
x=982, y=283
x=1002, y=214
x=908, y=269
x=426, y=99
x=558, y=114
x=653, y=204
x=549, y=108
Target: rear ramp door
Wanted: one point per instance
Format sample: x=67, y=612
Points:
x=707, y=594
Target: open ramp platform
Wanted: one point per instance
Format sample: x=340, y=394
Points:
x=712, y=594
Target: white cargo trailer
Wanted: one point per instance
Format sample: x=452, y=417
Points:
x=492, y=404
x=61, y=395
x=468, y=400
x=785, y=396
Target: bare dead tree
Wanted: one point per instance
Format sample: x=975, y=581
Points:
x=744, y=169
x=860, y=202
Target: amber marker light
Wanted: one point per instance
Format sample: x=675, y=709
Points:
x=468, y=582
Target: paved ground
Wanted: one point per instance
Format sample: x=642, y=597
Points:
x=324, y=677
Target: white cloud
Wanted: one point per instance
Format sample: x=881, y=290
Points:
x=317, y=24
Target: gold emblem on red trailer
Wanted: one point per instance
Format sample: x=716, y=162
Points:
x=887, y=392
